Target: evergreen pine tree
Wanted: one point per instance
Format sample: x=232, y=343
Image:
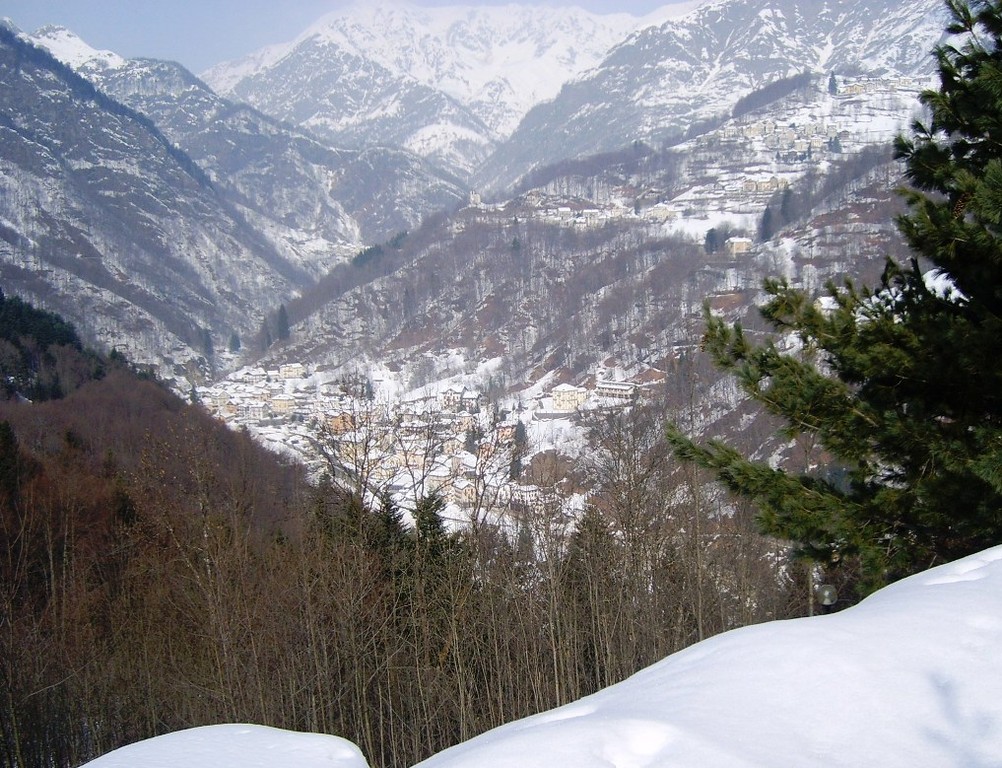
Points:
x=711, y=243
x=282, y=323
x=432, y=538
x=389, y=539
x=902, y=384
x=265, y=336
x=766, y=227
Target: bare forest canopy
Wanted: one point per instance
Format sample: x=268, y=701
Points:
x=161, y=572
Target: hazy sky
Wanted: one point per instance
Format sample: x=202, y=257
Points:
x=199, y=33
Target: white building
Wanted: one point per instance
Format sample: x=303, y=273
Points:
x=617, y=390
x=292, y=371
x=567, y=397
x=737, y=245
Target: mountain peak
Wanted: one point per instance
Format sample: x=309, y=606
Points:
x=497, y=61
x=70, y=48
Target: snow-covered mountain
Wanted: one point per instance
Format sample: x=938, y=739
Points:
x=662, y=82
x=314, y=202
x=76, y=54
x=106, y=222
x=490, y=93
x=447, y=82
x=166, y=221
x=552, y=277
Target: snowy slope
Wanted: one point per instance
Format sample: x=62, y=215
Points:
x=906, y=678
x=74, y=52
x=235, y=746
x=446, y=82
x=665, y=80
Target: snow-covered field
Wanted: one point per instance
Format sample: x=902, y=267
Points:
x=909, y=677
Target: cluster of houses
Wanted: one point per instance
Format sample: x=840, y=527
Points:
x=818, y=134
x=812, y=136
x=452, y=443
x=773, y=154
x=256, y=394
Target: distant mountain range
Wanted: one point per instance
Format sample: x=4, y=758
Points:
x=311, y=197
x=490, y=93
x=160, y=217
x=447, y=83
x=664, y=82
x=170, y=218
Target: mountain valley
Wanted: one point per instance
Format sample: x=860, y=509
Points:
x=586, y=256
x=445, y=365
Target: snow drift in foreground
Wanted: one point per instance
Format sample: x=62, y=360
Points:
x=235, y=746
x=909, y=677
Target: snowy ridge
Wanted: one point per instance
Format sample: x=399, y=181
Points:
x=498, y=60
x=74, y=52
x=447, y=82
x=224, y=77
